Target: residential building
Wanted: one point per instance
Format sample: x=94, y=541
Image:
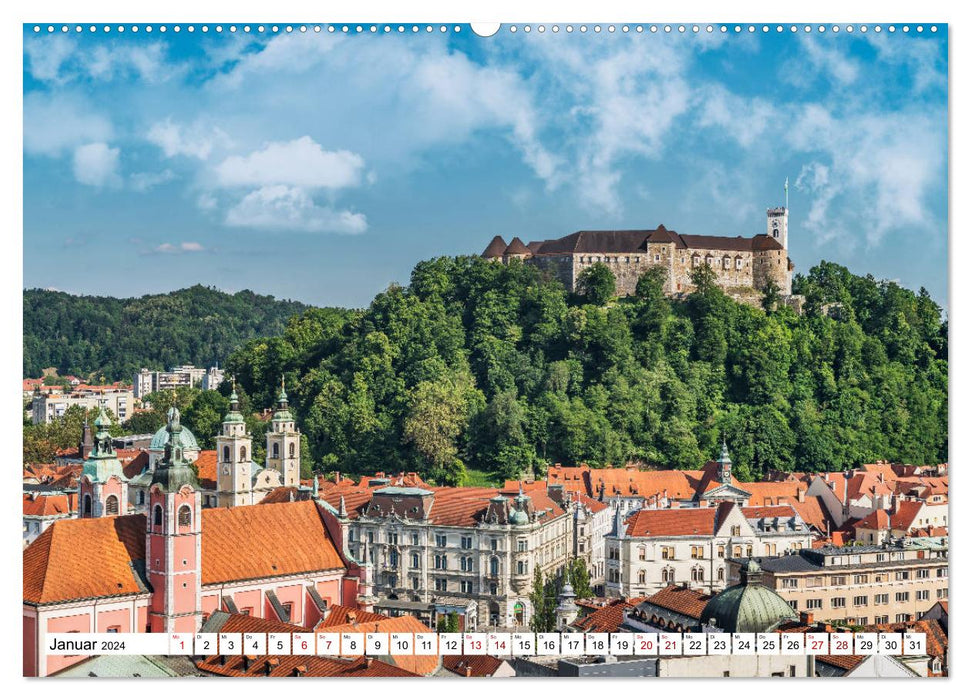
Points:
x=860, y=585
x=41, y=510
x=147, y=381
x=45, y=408
x=653, y=549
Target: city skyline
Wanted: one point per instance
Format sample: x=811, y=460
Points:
x=321, y=167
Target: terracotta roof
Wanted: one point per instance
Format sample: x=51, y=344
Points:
x=281, y=494
x=679, y=599
x=206, y=464
x=628, y=481
x=877, y=520
x=847, y=663
x=495, y=249
x=593, y=504
x=44, y=505
x=671, y=522
x=814, y=513
x=136, y=465
x=262, y=541
x=936, y=638
x=338, y=615
x=310, y=666
x=608, y=618
x=517, y=247
x=472, y=666
x=421, y=665
x=248, y=623
x=56, y=569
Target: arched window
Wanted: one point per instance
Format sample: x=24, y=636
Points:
x=111, y=505
x=87, y=504
x=226, y=453
x=242, y=454
x=185, y=516
x=642, y=577
x=293, y=450
x=157, y=519
x=721, y=573
x=276, y=450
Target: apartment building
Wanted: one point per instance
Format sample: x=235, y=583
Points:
x=860, y=585
x=46, y=408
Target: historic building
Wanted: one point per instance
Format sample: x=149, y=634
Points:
x=742, y=265
x=654, y=548
x=172, y=567
x=472, y=551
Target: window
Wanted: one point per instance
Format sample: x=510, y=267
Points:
x=881, y=619
x=657, y=258
x=226, y=453
x=860, y=601
x=113, y=630
x=721, y=551
x=465, y=586
x=642, y=553
x=902, y=617
x=495, y=545
x=414, y=538
x=790, y=583
x=465, y=563
x=185, y=516
x=370, y=538
x=494, y=566
x=861, y=578
x=736, y=530
x=838, y=581
x=415, y=584
x=923, y=595
x=466, y=543
x=441, y=561
x=288, y=609
x=902, y=597
x=642, y=577
x=246, y=611
x=697, y=574
x=721, y=573
x=902, y=575
x=441, y=540
x=111, y=505
x=814, y=604
x=242, y=454
x=667, y=552
x=141, y=498
x=737, y=551
x=276, y=450
x=414, y=560
x=157, y=519
x=941, y=573
x=923, y=573
x=881, y=599
x=942, y=593
x=697, y=552
x=521, y=567
x=748, y=551
x=393, y=558
x=87, y=505
x=441, y=584
x=293, y=450
x=838, y=602
x=521, y=546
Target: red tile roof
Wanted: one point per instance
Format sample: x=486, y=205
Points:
x=936, y=638
x=680, y=599
x=206, y=465
x=847, y=663
x=472, y=666
x=338, y=615
x=421, y=665
x=262, y=541
x=673, y=522
x=248, y=623
x=43, y=505
x=56, y=569
x=310, y=666
x=608, y=618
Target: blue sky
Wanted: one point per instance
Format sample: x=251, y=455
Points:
x=322, y=167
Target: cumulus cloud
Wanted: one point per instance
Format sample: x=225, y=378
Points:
x=56, y=124
x=61, y=59
x=195, y=141
x=279, y=207
x=301, y=163
x=96, y=164
x=179, y=248
x=143, y=182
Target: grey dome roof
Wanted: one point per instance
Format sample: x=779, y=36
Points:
x=748, y=606
x=162, y=436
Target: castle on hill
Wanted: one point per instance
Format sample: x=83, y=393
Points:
x=743, y=266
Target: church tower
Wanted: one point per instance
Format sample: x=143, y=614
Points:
x=173, y=539
x=234, y=463
x=724, y=466
x=283, y=442
x=103, y=487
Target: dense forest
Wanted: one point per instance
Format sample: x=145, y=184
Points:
x=480, y=371
x=95, y=337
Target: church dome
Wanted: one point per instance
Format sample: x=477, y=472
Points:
x=189, y=443
x=748, y=606
x=518, y=517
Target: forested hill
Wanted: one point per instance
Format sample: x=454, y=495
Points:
x=95, y=336
x=489, y=367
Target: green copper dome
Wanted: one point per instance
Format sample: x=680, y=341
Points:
x=162, y=436
x=748, y=606
x=173, y=471
x=102, y=463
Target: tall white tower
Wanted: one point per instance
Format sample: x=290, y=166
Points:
x=778, y=225
x=234, y=459
x=283, y=442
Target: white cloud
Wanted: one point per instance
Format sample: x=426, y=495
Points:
x=301, y=163
x=46, y=55
x=195, y=141
x=96, y=164
x=61, y=59
x=178, y=248
x=278, y=207
x=143, y=182
x=54, y=125
x=743, y=119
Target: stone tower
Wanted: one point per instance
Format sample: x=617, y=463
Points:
x=283, y=442
x=103, y=487
x=173, y=539
x=234, y=459
x=778, y=225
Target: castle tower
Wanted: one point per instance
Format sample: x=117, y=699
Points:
x=724, y=465
x=103, y=487
x=234, y=451
x=777, y=225
x=173, y=539
x=283, y=442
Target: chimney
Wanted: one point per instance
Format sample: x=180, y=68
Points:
x=368, y=661
x=351, y=617
x=247, y=662
x=468, y=671
x=801, y=495
x=337, y=477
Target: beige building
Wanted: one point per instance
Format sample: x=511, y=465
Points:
x=654, y=548
x=473, y=551
x=46, y=408
x=858, y=584
x=742, y=265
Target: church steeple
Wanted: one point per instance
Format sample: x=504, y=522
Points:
x=174, y=472
x=724, y=465
x=103, y=486
x=234, y=458
x=283, y=440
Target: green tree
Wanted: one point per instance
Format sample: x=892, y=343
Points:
x=596, y=284
x=580, y=578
